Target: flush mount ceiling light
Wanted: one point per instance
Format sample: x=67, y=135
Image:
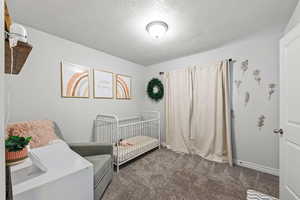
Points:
x=157, y=29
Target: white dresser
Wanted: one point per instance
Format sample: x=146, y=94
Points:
x=53, y=172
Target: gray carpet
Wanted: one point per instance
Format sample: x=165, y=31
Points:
x=166, y=175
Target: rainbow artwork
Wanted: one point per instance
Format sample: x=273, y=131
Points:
x=123, y=87
x=75, y=80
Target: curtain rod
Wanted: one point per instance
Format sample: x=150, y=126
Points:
x=162, y=73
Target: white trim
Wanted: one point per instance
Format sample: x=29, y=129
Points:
x=250, y=165
x=257, y=167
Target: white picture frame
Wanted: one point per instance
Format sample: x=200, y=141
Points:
x=75, y=81
x=103, y=84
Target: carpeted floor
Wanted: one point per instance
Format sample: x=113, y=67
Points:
x=166, y=175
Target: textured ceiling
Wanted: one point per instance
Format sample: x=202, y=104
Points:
x=117, y=27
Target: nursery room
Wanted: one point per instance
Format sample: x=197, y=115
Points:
x=150, y=100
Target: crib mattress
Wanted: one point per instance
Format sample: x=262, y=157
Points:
x=140, y=145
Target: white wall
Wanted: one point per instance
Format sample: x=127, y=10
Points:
x=2, y=160
x=295, y=19
x=35, y=93
x=262, y=50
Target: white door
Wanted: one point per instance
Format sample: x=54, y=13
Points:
x=290, y=115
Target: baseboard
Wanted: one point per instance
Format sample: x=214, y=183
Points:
x=250, y=165
x=257, y=167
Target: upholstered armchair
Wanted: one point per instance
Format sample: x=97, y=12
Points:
x=43, y=132
x=100, y=155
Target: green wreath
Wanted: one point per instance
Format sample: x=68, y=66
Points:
x=155, y=89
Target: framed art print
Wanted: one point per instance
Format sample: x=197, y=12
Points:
x=123, y=86
x=74, y=81
x=103, y=84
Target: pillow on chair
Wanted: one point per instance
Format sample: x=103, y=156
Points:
x=41, y=131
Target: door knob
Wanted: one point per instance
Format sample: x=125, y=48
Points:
x=278, y=131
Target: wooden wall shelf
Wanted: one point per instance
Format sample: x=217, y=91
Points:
x=20, y=54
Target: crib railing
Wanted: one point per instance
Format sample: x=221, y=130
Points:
x=141, y=128
x=110, y=129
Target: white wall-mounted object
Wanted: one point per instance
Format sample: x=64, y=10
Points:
x=19, y=32
x=53, y=172
x=16, y=33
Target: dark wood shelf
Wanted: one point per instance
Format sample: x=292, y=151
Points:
x=20, y=54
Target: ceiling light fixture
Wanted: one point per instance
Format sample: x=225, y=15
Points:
x=157, y=29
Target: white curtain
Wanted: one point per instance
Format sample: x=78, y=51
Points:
x=198, y=111
x=178, y=109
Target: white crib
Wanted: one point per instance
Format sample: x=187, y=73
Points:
x=141, y=132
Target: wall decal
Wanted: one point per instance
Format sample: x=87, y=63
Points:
x=244, y=66
x=238, y=83
x=247, y=98
x=74, y=80
x=256, y=74
x=272, y=87
x=261, y=122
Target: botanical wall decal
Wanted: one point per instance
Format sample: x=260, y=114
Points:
x=238, y=83
x=272, y=87
x=247, y=98
x=244, y=66
x=261, y=122
x=256, y=74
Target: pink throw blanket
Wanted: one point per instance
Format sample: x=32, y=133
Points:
x=41, y=131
